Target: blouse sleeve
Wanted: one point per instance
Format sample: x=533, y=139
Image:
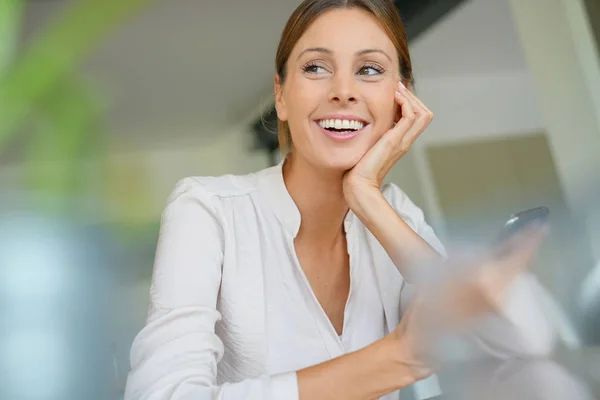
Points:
x=175, y=355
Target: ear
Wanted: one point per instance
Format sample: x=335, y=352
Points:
x=279, y=101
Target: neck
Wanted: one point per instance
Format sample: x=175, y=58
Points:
x=319, y=196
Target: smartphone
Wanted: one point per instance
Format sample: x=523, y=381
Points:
x=518, y=221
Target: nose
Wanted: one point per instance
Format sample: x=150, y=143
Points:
x=342, y=90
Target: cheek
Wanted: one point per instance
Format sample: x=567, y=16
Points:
x=304, y=97
x=383, y=106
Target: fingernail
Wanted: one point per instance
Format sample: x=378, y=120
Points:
x=398, y=92
x=401, y=85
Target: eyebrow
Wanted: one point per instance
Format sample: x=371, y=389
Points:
x=330, y=52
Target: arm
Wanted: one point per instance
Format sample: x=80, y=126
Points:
x=175, y=355
x=369, y=373
x=520, y=329
x=406, y=246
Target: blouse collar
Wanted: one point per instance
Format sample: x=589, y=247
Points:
x=272, y=186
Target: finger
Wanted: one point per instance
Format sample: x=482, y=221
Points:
x=407, y=112
x=395, y=135
x=424, y=115
x=529, y=243
x=418, y=106
x=419, y=123
x=421, y=109
x=513, y=242
x=411, y=124
x=413, y=133
x=525, y=247
x=418, y=101
x=525, y=241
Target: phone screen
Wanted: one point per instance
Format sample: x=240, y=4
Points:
x=520, y=220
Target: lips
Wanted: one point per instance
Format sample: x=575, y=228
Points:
x=341, y=135
x=341, y=127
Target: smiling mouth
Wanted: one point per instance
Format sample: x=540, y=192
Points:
x=341, y=126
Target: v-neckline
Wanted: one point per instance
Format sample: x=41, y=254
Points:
x=325, y=326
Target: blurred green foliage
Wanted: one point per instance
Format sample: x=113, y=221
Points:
x=40, y=83
x=10, y=16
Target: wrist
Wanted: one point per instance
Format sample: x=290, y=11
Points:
x=384, y=367
x=368, y=373
x=363, y=197
x=396, y=356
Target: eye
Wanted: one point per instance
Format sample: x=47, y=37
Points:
x=313, y=68
x=370, y=70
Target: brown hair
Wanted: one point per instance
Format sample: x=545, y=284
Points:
x=308, y=11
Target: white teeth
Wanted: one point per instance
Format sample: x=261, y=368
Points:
x=341, y=124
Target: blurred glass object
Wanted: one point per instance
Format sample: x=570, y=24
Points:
x=526, y=379
x=57, y=272
x=54, y=315
x=589, y=307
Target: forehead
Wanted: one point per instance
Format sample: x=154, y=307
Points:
x=346, y=30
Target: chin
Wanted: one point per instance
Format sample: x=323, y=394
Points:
x=338, y=159
x=333, y=155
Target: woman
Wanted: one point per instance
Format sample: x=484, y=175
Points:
x=289, y=283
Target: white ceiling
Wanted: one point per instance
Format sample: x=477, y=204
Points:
x=478, y=37
x=186, y=66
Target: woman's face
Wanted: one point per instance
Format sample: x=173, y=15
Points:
x=338, y=97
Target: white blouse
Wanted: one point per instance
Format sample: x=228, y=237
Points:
x=232, y=315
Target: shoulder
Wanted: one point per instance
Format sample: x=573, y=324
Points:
x=215, y=186
x=202, y=201
x=403, y=205
x=394, y=194
x=412, y=215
